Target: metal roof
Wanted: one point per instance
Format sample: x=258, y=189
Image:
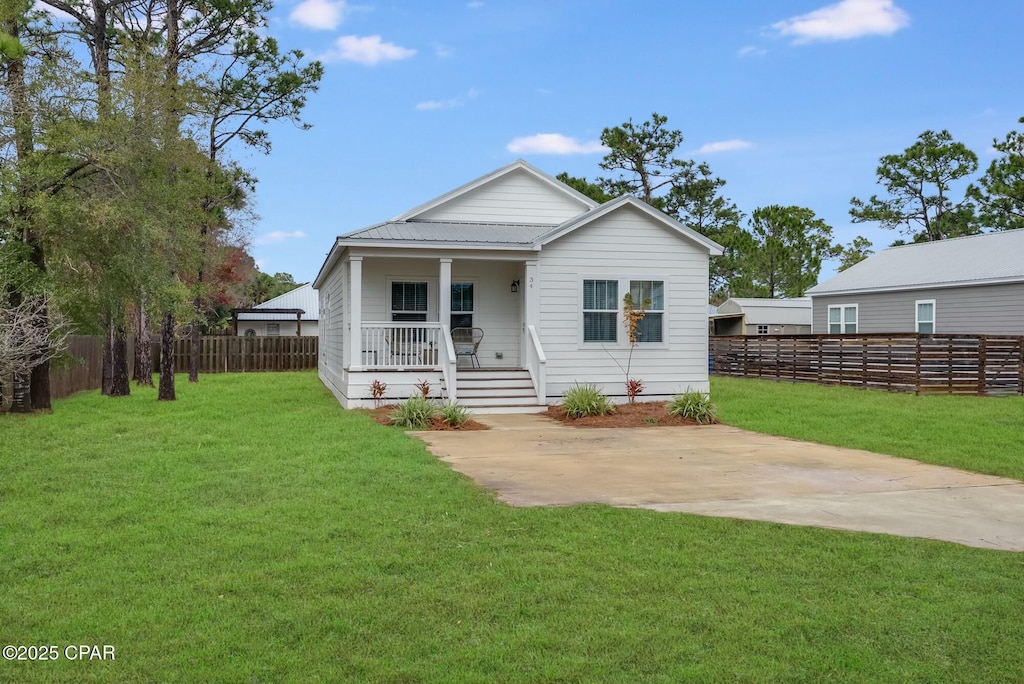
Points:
x=304, y=297
x=445, y=232
x=974, y=260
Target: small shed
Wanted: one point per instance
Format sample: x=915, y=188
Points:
x=762, y=316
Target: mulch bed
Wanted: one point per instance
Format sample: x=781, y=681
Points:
x=382, y=415
x=641, y=414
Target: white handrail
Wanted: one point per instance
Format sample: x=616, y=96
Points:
x=401, y=345
x=537, y=365
x=448, y=362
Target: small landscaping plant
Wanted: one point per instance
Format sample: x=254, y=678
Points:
x=415, y=413
x=424, y=387
x=377, y=390
x=586, y=400
x=454, y=415
x=694, y=405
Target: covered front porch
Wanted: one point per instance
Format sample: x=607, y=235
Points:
x=400, y=313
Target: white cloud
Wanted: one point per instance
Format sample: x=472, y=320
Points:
x=320, y=15
x=475, y=4
x=443, y=51
x=751, y=51
x=844, y=20
x=724, y=146
x=368, y=50
x=278, y=236
x=553, y=143
x=431, y=105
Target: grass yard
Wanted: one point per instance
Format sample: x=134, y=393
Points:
x=982, y=434
x=254, y=531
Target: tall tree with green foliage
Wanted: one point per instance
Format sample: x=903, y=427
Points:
x=1000, y=192
x=857, y=251
x=642, y=157
x=784, y=254
x=919, y=183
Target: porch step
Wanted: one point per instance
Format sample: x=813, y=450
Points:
x=497, y=391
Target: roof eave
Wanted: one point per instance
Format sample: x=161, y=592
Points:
x=919, y=286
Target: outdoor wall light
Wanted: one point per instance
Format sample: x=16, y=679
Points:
x=515, y=286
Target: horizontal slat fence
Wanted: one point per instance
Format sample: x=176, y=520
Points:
x=986, y=365
x=227, y=354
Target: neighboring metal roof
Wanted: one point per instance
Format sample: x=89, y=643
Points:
x=447, y=232
x=975, y=260
x=765, y=311
x=304, y=297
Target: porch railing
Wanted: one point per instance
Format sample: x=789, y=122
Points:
x=401, y=346
x=536, y=363
x=449, y=363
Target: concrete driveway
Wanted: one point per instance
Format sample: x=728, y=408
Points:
x=716, y=470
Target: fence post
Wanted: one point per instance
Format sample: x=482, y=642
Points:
x=917, y=364
x=982, y=360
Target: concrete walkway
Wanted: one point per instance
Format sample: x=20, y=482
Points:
x=716, y=470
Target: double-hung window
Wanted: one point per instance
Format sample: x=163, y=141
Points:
x=463, y=305
x=649, y=295
x=600, y=310
x=925, y=316
x=273, y=329
x=408, y=302
x=842, y=319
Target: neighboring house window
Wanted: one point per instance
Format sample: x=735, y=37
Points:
x=600, y=310
x=463, y=305
x=273, y=329
x=925, y=323
x=250, y=332
x=762, y=330
x=842, y=319
x=649, y=329
x=408, y=302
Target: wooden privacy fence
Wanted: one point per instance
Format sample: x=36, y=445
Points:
x=83, y=369
x=987, y=365
x=226, y=354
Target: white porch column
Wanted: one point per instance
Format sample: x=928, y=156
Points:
x=532, y=314
x=444, y=292
x=355, y=316
x=531, y=308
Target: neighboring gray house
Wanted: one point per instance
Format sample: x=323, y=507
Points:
x=540, y=271
x=255, y=323
x=963, y=285
x=759, y=316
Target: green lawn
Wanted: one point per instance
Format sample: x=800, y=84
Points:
x=983, y=434
x=255, y=532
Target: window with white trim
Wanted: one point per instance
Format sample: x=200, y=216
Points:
x=273, y=329
x=842, y=318
x=463, y=305
x=650, y=296
x=762, y=330
x=925, y=316
x=408, y=302
x=600, y=310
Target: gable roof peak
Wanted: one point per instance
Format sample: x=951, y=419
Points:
x=517, y=165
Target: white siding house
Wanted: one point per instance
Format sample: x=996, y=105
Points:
x=535, y=267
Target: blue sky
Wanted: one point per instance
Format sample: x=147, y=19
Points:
x=790, y=101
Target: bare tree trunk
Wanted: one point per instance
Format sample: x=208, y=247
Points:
x=21, y=397
x=119, y=384
x=143, y=346
x=166, y=391
x=108, y=356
